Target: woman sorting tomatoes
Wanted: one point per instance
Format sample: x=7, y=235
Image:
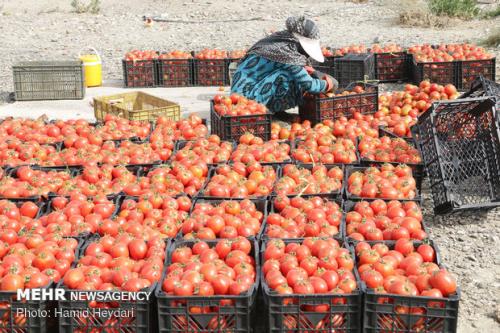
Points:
x=275, y=71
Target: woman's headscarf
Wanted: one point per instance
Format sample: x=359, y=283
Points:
x=283, y=46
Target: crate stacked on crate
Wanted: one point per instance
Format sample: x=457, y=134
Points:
x=460, y=144
x=175, y=69
x=397, y=301
x=355, y=98
x=48, y=80
x=211, y=68
x=354, y=67
x=391, y=63
x=135, y=106
x=459, y=64
x=308, y=298
x=220, y=303
x=139, y=69
x=232, y=116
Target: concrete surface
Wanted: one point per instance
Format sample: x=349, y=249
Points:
x=191, y=100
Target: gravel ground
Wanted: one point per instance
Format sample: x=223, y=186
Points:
x=47, y=29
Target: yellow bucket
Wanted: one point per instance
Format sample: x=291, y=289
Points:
x=92, y=65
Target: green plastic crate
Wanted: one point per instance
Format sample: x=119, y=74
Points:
x=48, y=80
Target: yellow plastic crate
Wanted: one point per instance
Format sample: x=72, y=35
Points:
x=135, y=106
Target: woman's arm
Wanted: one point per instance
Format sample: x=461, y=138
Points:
x=306, y=82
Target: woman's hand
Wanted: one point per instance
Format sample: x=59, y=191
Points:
x=331, y=83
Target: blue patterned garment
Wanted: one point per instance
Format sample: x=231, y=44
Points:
x=276, y=85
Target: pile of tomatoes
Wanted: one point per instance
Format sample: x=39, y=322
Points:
x=405, y=269
x=325, y=149
x=241, y=181
x=317, y=179
x=253, y=149
x=299, y=217
x=237, y=105
x=450, y=52
x=313, y=266
x=118, y=263
x=210, y=150
x=387, y=149
x=225, y=267
x=387, y=182
x=150, y=216
x=224, y=219
x=76, y=215
x=380, y=220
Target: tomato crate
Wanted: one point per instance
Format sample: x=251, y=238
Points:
x=310, y=167
x=41, y=204
x=354, y=67
x=460, y=145
x=312, y=313
x=213, y=171
x=260, y=204
x=211, y=72
x=349, y=206
x=221, y=314
x=175, y=72
x=326, y=197
x=436, y=72
x=482, y=87
x=391, y=66
x=469, y=70
x=136, y=106
x=117, y=316
x=232, y=127
x=139, y=73
x=48, y=80
x=316, y=108
x=408, y=314
x=181, y=144
x=418, y=169
x=29, y=316
x=349, y=170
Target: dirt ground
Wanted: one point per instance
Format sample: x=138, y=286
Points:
x=48, y=29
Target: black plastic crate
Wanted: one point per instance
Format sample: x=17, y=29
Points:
x=227, y=313
x=391, y=66
x=181, y=144
x=260, y=204
x=139, y=73
x=409, y=314
x=232, y=127
x=354, y=67
x=175, y=72
x=327, y=67
x=211, y=72
x=482, y=87
x=351, y=169
x=460, y=144
x=469, y=70
x=296, y=313
x=436, y=72
x=136, y=316
x=316, y=109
